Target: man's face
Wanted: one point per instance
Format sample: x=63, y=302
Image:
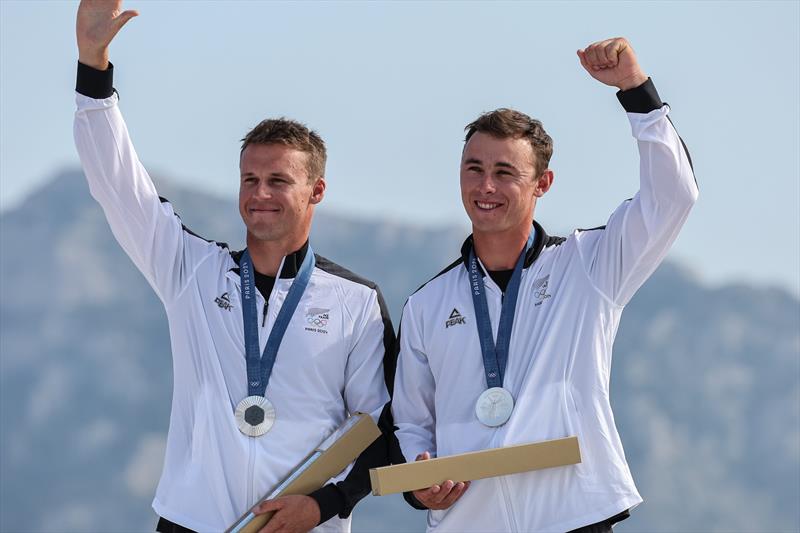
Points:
x=498, y=185
x=276, y=200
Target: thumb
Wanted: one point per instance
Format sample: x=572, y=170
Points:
x=424, y=456
x=123, y=18
x=269, y=506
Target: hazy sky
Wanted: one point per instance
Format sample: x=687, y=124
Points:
x=391, y=85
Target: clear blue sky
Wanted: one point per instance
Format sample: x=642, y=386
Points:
x=391, y=85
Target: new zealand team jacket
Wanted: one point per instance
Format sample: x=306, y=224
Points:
x=572, y=295
x=330, y=362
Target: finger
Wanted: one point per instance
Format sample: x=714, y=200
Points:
x=614, y=49
x=583, y=60
x=427, y=496
x=424, y=456
x=592, y=58
x=275, y=524
x=605, y=53
x=610, y=52
x=455, y=494
x=442, y=495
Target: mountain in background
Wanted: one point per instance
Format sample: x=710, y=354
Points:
x=705, y=382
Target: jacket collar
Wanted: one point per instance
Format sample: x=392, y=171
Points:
x=539, y=241
x=291, y=264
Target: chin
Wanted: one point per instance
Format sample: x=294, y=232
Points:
x=485, y=223
x=266, y=234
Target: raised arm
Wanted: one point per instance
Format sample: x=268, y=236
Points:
x=620, y=256
x=145, y=225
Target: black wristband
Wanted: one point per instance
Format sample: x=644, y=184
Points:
x=641, y=99
x=95, y=83
x=330, y=500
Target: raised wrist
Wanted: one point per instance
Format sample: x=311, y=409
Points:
x=97, y=60
x=631, y=83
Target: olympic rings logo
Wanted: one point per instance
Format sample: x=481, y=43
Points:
x=541, y=293
x=316, y=321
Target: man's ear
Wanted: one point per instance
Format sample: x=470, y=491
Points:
x=543, y=183
x=317, y=191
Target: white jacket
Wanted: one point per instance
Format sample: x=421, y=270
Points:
x=572, y=294
x=330, y=362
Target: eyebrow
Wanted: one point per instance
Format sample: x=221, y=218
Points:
x=505, y=165
x=476, y=161
x=271, y=175
x=502, y=164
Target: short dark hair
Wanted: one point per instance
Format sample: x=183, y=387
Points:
x=295, y=135
x=506, y=123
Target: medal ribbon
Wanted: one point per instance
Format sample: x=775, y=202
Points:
x=495, y=355
x=260, y=368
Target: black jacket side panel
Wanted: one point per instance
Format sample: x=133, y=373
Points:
x=342, y=497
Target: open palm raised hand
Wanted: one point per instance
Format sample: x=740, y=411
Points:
x=98, y=21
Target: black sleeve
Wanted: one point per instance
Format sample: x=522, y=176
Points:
x=95, y=83
x=641, y=99
x=395, y=453
x=341, y=498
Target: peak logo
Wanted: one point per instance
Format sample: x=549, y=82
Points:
x=455, y=319
x=223, y=301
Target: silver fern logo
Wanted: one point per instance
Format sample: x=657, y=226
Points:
x=540, y=290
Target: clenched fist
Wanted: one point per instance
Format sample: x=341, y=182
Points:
x=613, y=62
x=97, y=23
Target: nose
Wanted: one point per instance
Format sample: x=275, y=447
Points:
x=486, y=185
x=262, y=191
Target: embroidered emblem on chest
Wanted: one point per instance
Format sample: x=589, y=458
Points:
x=223, y=301
x=317, y=319
x=455, y=319
x=540, y=290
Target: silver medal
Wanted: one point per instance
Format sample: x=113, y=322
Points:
x=494, y=406
x=255, y=416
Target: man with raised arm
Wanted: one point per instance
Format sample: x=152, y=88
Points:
x=511, y=343
x=272, y=346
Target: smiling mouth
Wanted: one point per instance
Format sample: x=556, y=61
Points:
x=487, y=206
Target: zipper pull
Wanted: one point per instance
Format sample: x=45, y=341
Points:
x=264, y=320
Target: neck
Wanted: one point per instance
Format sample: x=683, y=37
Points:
x=267, y=255
x=500, y=251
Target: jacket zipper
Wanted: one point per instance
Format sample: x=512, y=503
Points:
x=250, y=471
x=509, y=508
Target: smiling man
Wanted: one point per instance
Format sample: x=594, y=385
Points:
x=511, y=343
x=272, y=346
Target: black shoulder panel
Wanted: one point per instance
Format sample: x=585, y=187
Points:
x=444, y=271
x=595, y=228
